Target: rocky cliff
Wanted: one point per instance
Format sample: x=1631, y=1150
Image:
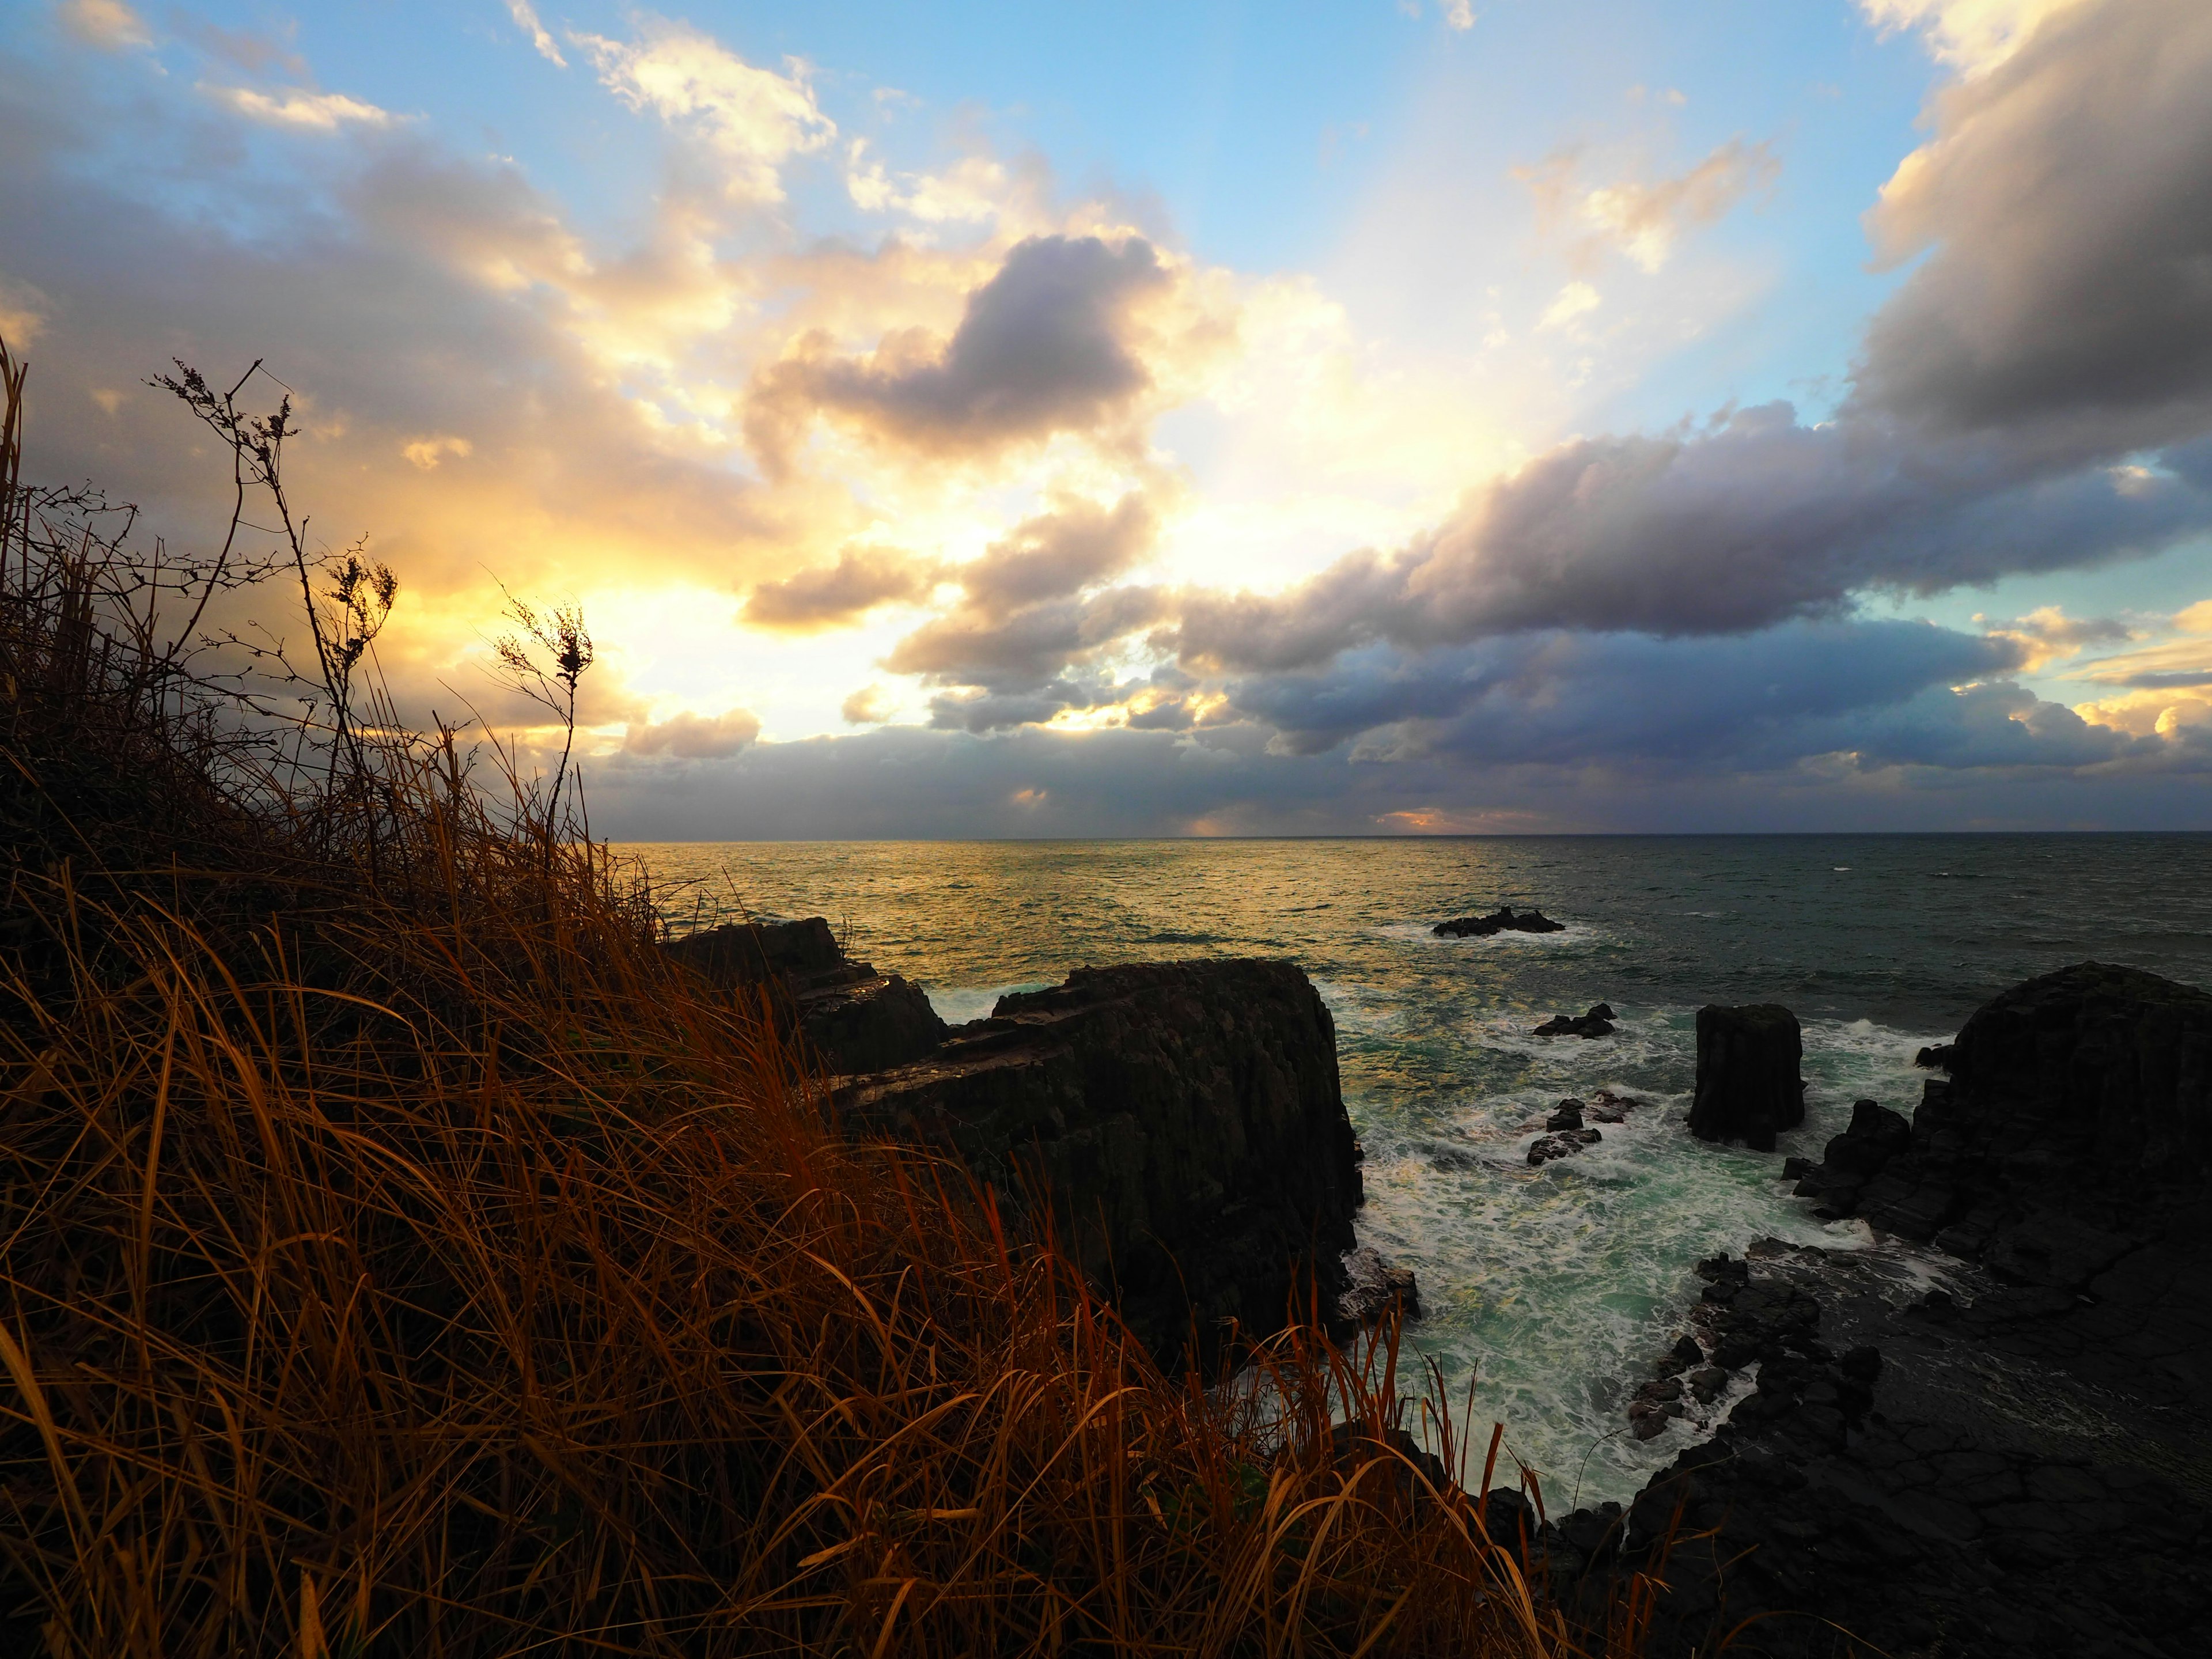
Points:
x=1185, y=1119
x=2019, y=1463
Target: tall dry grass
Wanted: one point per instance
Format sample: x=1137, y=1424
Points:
x=399, y=1255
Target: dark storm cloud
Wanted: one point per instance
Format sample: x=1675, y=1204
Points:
x=1042, y=348
x=830, y=596
x=1756, y=519
x=2067, y=197
x=1756, y=700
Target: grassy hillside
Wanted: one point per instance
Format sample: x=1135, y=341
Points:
x=399, y=1255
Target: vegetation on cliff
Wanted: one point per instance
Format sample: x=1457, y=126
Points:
x=401, y=1253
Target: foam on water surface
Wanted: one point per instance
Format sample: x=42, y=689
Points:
x=1554, y=1288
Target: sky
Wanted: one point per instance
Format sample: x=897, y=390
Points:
x=1378, y=417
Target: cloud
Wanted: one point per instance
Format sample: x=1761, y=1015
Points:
x=1575, y=300
x=310, y=112
x=526, y=19
x=244, y=49
x=1752, y=700
x=833, y=596
x=1076, y=544
x=1754, y=519
x=2036, y=397
x=2048, y=634
x=969, y=192
x=1644, y=220
x=426, y=453
x=870, y=705
x=1047, y=345
x=109, y=24
x=1975, y=36
x=752, y=120
x=1037, y=616
x=2065, y=205
x=694, y=737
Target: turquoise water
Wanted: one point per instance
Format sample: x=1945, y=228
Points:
x=1550, y=1288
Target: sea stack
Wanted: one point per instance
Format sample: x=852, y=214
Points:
x=1748, y=1088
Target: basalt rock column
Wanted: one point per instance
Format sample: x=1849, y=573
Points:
x=1186, y=1118
x=1748, y=1088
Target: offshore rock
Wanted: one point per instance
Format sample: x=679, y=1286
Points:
x=1597, y=1022
x=1500, y=920
x=1188, y=1120
x=857, y=1019
x=1748, y=1088
x=1565, y=1144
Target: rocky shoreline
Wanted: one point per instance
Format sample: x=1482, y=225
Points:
x=1186, y=1119
x=1991, y=1433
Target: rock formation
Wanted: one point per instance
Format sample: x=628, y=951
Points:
x=2015, y=1465
x=1748, y=1088
x=1186, y=1118
x=2077, y=1112
x=855, y=1019
x=1597, y=1022
x=1500, y=920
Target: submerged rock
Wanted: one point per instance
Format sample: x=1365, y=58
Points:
x=1748, y=1088
x=1500, y=920
x=1565, y=1144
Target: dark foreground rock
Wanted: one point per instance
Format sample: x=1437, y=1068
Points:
x=1187, y=1119
x=1748, y=1088
x=2017, y=1461
x=1891, y=1485
x=1500, y=920
x=857, y=1019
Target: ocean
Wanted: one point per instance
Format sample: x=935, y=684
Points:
x=1548, y=1291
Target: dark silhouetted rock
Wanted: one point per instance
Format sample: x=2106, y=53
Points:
x=1187, y=1118
x=1748, y=1086
x=1501, y=921
x=1595, y=1024
x=2013, y=1466
x=1854, y=1158
x=1936, y=1057
x=2086, y=1093
x=1567, y=1115
x=1372, y=1288
x=855, y=1019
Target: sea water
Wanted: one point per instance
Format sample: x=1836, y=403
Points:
x=1548, y=1291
